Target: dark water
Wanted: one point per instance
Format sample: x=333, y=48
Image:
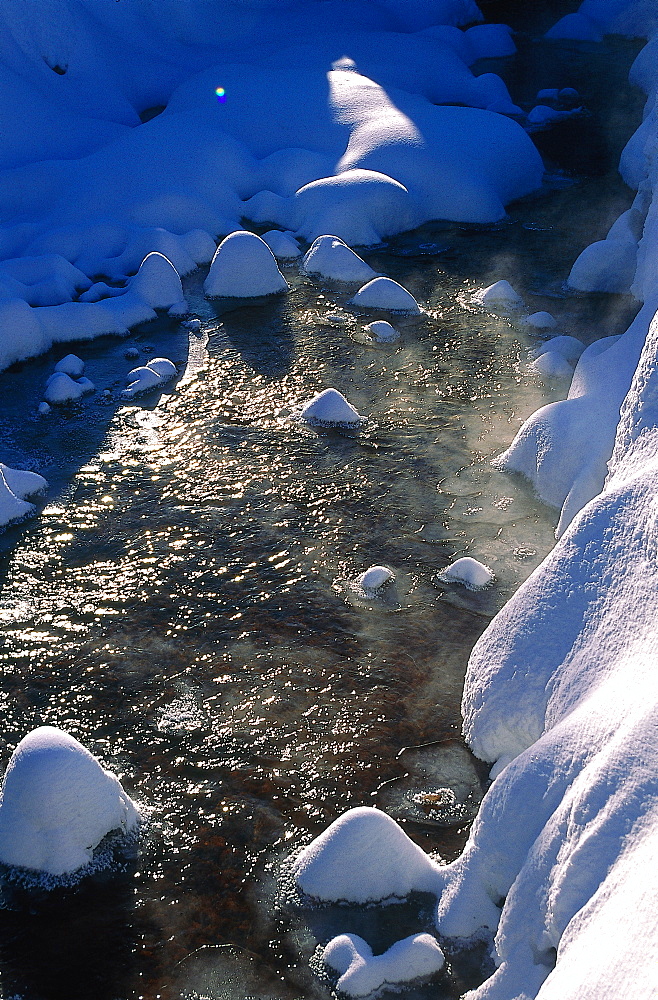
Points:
x=183, y=602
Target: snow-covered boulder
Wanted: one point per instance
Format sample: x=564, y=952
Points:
x=375, y=577
x=363, y=857
x=15, y=486
x=552, y=364
x=165, y=368
x=158, y=283
x=472, y=574
x=605, y=266
x=540, y=321
x=500, y=296
x=569, y=347
x=382, y=332
x=577, y=27
x=486, y=41
x=362, y=973
x=71, y=365
x=329, y=408
x=331, y=258
x=156, y=373
x=284, y=246
x=244, y=267
x=61, y=388
x=57, y=804
x=384, y=293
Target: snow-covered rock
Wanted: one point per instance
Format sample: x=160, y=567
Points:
x=284, y=246
x=569, y=347
x=244, y=267
x=362, y=973
x=375, y=577
x=15, y=486
x=363, y=857
x=57, y=804
x=331, y=258
x=155, y=373
x=61, y=388
x=472, y=574
x=499, y=296
x=384, y=293
x=158, y=283
x=605, y=266
x=382, y=332
x=71, y=365
x=540, y=321
x=329, y=408
x=552, y=364
x=489, y=41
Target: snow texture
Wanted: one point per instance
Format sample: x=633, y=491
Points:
x=569, y=348
x=283, y=245
x=16, y=485
x=552, y=364
x=362, y=973
x=500, y=297
x=331, y=258
x=57, y=804
x=329, y=408
x=472, y=574
x=71, y=365
x=382, y=332
x=540, y=321
x=375, y=577
x=61, y=388
x=244, y=267
x=386, y=294
x=154, y=374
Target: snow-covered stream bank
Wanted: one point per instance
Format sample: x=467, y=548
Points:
x=186, y=602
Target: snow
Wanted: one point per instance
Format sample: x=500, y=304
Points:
x=244, y=267
x=375, y=577
x=329, y=408
x=331, y=258
x=362, y=973
x=541, y=321
x=382, y=332
x=283, y=245
x=500, y=296
x=57, y=804
x=363, y=857
x=472, y=574
x=552, y=364
x=15, y=486
x=71, y=365
x=154, y=374
x=61, y=388
x=569, y=347
x=384, y=293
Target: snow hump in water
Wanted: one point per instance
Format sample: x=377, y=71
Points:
x=375, y=577
x=331, y=258
x=15, y=486
x=57, y=804
x=363, y=857
x=472, y=574
x=362, y=973
x=244, y=267
x=384, y=293
x=329, y=408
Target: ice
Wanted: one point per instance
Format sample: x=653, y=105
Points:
x=472, y=574
x=58, y=803
x=552, y=364
x=71, y=365
x=283, y=245
x=499, y=296
x=244, y=267
x=363, y=857
x=540, y=321
x=362, y=973
x=331, y=258
x=61, y=388
x=386, y=294
x=15, y=486
x=329, y=408
x=569, y=347
x=382, y=332
x=375, y=577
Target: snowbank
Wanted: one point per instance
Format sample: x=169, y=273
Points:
x=365, y=146
x=57, y=804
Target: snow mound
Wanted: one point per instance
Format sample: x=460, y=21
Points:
x=158, y=283
x=552, y=364
x=569, y=347
x=284, y=246
x=57, y=804
x=71, y=365
x=486, y=41
x=331, y=258
x=540, y=321
x=362, y=973
x=329, y=408
x=499, y=296
x=605, y=266
x=363, y=857
x=577, y=27
x=244, y=267
x=384, y=293
x=375, y=577
x=61, y=388
x=543, y=115
x=155, y=373
x=15, y=486
x=472, y=574
x=382, y=332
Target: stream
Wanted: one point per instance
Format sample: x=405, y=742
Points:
x=183, y=604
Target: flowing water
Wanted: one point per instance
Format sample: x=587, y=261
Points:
x=184, y=604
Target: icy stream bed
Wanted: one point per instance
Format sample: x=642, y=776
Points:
x=184, y=602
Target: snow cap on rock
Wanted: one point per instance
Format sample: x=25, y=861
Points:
x=61, y=388
x=331, y=258
x=384, y=293
x=330, y=409
x=283, y=245
x=540, y=321
x=158, y=283
x=15, y=486
x=244, y=267
x=57, y=804
x=71, y=365
x=472, y=574
x=500, y=295
x=569, y=347
x=552, y=364
x=382, y=331
x=362, y=973
x=375, y=577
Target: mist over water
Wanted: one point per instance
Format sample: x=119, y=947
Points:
x=183, y=604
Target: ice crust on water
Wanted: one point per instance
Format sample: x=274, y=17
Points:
x=330, y=257
x=499, y=296
x=384, y=293
x=375, y=577
x=16, y=485
x=58, y=803
x=382, y=332
x=362, y=973
x=329, y=408
x=244, y=267
x=472, y=574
